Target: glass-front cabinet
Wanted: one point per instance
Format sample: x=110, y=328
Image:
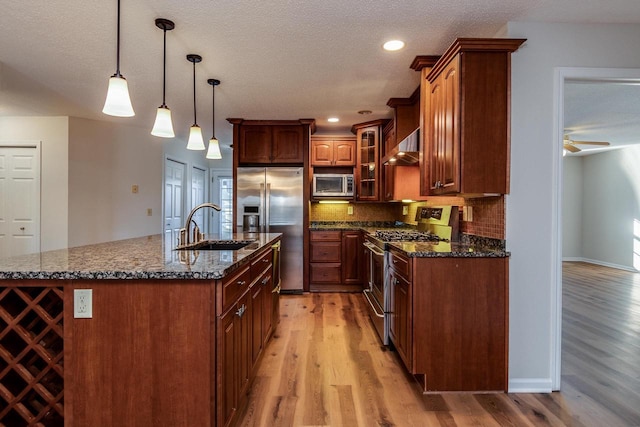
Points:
x=368, y=174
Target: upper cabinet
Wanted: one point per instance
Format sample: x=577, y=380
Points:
x=465, y=118
x=274, y=142
x=333, y=151
x=367, y=171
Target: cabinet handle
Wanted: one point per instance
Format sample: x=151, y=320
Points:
x=266, y=280
x=241, y=282
x=241, y=310
x=265, y=260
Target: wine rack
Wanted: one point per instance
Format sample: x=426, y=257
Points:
x=31, y=356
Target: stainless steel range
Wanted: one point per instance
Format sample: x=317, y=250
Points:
x=434, y=225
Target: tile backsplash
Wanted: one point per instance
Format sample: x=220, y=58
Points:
x=488, y=213
x=361, y=212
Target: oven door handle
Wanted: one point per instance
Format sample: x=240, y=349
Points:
x=373, y=248
x=372, y=304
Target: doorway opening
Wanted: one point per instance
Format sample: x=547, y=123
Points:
x=562, y=77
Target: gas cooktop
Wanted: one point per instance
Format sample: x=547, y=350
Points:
x=407, y=235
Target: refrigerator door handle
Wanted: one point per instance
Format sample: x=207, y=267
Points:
x=267, y=204
x=262, y=208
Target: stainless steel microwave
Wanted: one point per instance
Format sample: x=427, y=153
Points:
x=333, y=185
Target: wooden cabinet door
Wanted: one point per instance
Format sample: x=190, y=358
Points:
x=267, y=306
x=244, y=349
x=401, y=328
x=450, y=154
x=255, y=144
x=344, y=153
x=367, y=168
x=444, y=144
x=257, y=315
x=351, y=257
x=322, y=153
x=287, y=144
x=228, y=367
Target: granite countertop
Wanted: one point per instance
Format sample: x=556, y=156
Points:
x=468, y=247
x=447, y=250
x=151, y=257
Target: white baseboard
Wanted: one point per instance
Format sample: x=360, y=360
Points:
x=602, y=263
x=530, y=385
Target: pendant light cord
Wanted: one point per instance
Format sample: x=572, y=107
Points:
x=164, y=68
x=118, y=45
x=213, y=111
x=195, y=121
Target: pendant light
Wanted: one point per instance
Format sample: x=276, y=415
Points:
x=214, y=146
x=163, y=126
x=195, y=133
x=118, y=102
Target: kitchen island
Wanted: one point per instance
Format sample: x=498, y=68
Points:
x=173, y=337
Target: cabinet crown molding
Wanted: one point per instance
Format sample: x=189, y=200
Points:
x=473, y=45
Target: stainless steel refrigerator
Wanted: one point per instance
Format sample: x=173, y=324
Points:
x=273, y=197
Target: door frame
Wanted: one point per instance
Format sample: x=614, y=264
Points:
x=37, y=145
x=562, y=75
x=206, y=192
x=214, y=194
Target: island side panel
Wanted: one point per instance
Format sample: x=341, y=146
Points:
x=145, y=356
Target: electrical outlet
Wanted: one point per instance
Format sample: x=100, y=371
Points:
x=134, y=189
x=405, y=210
x=83, y=303
x=149, y=212
x=349, y=210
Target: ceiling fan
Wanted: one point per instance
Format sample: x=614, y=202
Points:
x=570, y=145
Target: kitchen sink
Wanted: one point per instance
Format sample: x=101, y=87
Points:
x=221, y=245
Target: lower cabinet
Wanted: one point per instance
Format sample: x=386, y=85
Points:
x=401, y=322
x=234, y=358
x=336, y=260
x=449, y=321
x=243, y=332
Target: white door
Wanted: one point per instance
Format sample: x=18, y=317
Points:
x=19, y=200
x=198, y=182
x=174, y=183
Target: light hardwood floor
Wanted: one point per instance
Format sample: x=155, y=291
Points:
x=326, y=367
x=601, y=344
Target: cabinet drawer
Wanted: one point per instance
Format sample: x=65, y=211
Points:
x=260, y=264
x=326, y=251
x=326, y=273
x=326, y=235
x=234, y=286
x=401, y=265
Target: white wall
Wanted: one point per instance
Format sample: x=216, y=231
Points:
x=611, y=205
x=54, y=134
x=532, y=224
x=572, y=191
x=105, y=160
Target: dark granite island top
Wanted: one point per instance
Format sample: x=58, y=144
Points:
x=151, y=257
x=133, y=332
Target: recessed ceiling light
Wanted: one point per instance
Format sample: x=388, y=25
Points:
x=365, y=112
x=393, y=45
x=333, y=119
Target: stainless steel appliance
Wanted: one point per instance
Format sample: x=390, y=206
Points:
x=375, y=294
x=274, y=194
x=333, y=185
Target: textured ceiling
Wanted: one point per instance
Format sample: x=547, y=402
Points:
x=276, y=59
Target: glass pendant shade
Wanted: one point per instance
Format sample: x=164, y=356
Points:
x=118, y=102
x=214, y=150
x=163, y=126
x=195, y=141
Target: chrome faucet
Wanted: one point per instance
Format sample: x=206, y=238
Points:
x=184, y=239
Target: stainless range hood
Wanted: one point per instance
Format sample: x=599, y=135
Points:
x=406, y=153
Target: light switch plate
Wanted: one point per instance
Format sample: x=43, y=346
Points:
x=405, y=210
x=83, y=303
